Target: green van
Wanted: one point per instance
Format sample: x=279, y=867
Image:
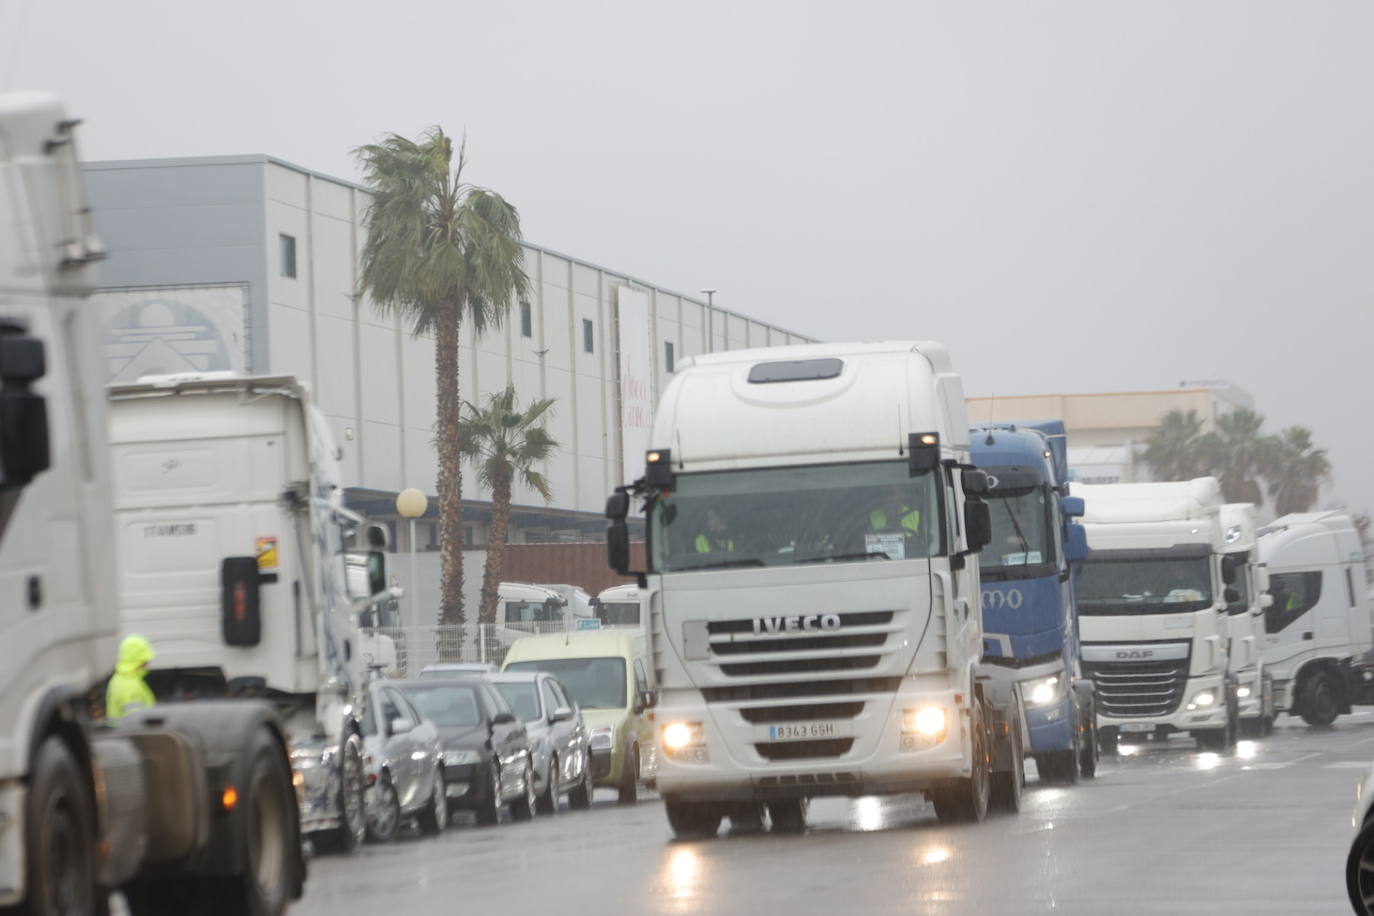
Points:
x=608, y=674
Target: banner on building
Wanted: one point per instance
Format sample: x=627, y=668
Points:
x=171, y=329
x=636, y=380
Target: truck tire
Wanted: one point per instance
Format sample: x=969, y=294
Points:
x=966, y=800
x=265, y=886
x=1108, y=739
x=693, y=820
x=59, y=822
x=629, y=778
x=1321, y=698
x=1088, y=752
x=788, y=815
x=352, y=829
x=746, y=818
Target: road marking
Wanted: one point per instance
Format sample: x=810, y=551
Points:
x=1348, y=765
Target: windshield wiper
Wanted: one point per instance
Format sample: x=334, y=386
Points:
x=874, y=555
x=1020, y=535
x=721, y=564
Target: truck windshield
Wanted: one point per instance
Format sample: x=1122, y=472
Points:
x=804, y=514
x=619, y=613
x=1164, y=586
x=533, y=612
x=594, y=683
x=1022, y=546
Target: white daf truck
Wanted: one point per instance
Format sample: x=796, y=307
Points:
x=1152, y=601
x=235, y=563
x=815, y=619
x=187, y=808
x=1245, y=618
x=1318, y=646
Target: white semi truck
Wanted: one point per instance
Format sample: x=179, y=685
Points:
x=1152, y=606
x=1245, y=618
x=1318, y=646
x=813, y=590
x=236, y=564
x=188, y=808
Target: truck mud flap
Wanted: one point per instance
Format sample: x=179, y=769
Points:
x=1006, y=718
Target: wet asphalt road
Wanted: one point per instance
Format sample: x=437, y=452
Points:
x=1165, y=829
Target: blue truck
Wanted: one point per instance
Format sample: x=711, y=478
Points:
x=1030, y=626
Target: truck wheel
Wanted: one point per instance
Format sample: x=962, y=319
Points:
x=1107, y=741
x=352, y=830
x=788, y=815
x=548, y=802
x=1088, y=752
x=523, y=808
x=746, y=818
x=1359, y=871
x=383, y=811
x=693, y=820
x=580, y=798
x=1321, y=700
x=967, y=799
x=629, y=778
x=433, y=817
x=60, y=829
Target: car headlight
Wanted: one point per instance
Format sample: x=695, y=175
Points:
x=1043, y=691
x=602, y=738
x=460, y=758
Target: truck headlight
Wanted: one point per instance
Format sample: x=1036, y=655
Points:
x=602, y=739
x=1203, y=699
x=1043, y=691
x=458, y=758
x=1242, y=692
x=928, y=721
x=677, y=735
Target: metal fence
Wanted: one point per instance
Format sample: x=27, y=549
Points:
x=406, y=651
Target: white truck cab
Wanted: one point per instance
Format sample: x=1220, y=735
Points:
x=1152, y=606
x=1245, y=617
x=813, y=528
x=1318, y=645
x=621, y=606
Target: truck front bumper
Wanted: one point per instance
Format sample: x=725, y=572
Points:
x=1182, y=718
x=727, y=763
x=1250, y=693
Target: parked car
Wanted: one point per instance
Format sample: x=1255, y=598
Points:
x=405, y=764
x=557, y=736
x=457, y=669
x=607, y=673
x=486, y=752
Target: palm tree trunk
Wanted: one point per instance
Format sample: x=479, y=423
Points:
x=496, y=547
x=450, y=482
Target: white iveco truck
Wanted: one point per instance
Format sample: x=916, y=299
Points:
x=1318, y=649
x=1152, y=606
x=187, y=808
x=230, y=522
x=1245, y=618
x=813, y=528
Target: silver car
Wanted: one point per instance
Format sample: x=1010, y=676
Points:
x=405, y=765
x=557, y=736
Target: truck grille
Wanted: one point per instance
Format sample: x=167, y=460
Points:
x=805, y=750
x=739, y=652
x=1129, y=689
x=801, y=713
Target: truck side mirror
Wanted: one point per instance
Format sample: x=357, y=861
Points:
x=1266, y=601
x=977, y=524
x=24, y=439
x=1232, y=594
x=618, y=546
x=1072, y=506
x=618, y=506
x=1075, y=543
x=1229, y=566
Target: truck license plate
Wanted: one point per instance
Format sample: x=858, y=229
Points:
x=1136, y=727
x=803, y=731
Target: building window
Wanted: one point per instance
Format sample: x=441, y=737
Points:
x=288, y=255
x=526, y=320
x=668, y=356
x=587, y=335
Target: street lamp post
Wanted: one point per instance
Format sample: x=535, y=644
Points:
x=411, y=504
x=710, y=320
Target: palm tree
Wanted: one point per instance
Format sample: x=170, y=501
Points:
x=1173, y=450
x=1239, y=455
x=439, y=251
x=503, y=443
x=1298, y=471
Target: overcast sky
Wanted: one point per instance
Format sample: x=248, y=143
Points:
x=1073, y=196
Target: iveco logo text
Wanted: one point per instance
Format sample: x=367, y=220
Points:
x=810, y=623
x=1131, y=655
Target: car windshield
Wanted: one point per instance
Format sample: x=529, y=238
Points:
x=447, y=705
x=1022, y=545
x=790, y=515
x=593, y=683
x=522, y=698
x=1144, y=586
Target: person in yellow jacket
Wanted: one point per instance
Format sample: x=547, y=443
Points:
x=716, y=538
x=895, y=513
x=127, y=690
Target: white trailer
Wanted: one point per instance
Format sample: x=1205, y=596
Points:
x=1152, y=601
x=1245, y=618
x=229, y=515
x=816, y=625
x=188, y=808
x=1318, y=646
